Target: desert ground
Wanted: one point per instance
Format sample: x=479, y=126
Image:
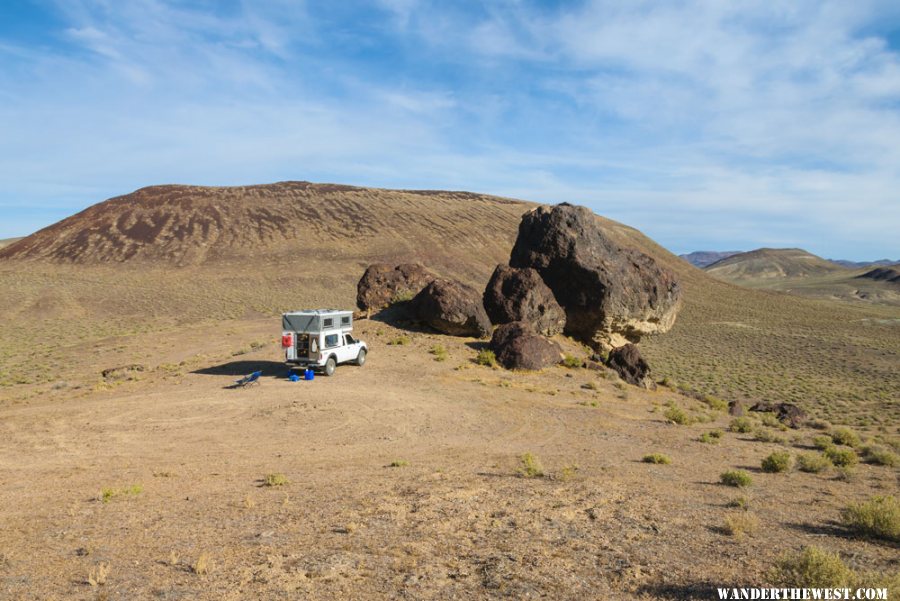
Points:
x=129, y=469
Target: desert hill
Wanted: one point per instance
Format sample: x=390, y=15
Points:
x=704, y=258
x=192, y=225
x=8, y=241
x=883, y=274
x=771, y=264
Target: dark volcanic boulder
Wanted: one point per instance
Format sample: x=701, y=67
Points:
x=630, y=366
x=788, y=414
x=517, y=346
x=521, y=295
x=608, y=293
x=382, y=284
x=451, y=308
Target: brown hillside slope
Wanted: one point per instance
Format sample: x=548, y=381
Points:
x=193, y=225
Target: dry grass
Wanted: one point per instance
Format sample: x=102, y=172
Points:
x=740, y=523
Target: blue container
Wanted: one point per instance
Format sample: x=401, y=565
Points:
x=309, y=375
x=294, y=378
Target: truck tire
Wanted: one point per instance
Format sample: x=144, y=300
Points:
x=361, y=357
x=330, y=366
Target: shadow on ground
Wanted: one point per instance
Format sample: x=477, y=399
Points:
x=243, y=368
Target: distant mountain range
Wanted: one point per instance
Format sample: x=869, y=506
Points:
x=705, y=258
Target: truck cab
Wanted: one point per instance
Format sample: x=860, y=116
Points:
x=321, y=339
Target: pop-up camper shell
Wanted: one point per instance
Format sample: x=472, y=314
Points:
x=320, y=339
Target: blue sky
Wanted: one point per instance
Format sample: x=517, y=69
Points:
x=708, y=125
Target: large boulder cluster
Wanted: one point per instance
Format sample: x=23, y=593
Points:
x=451, y=308
x=382, y=284
x=610, y=294
x=565, y=275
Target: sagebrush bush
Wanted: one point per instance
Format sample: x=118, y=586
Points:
x=399, y=341
x=742, y=425
x=486, y=357
x=738, y=478
x=812, y=463
x=275, y=480
x=822, y=442
x=879, y=517
x=439, y=351
x=656, y=458
x=845, y=436
x=677, y=415
x=711, y=437
x=530, y=466
x=571, y=361
x=812, y=568
x=842, y=457
x=764, y=435
x=738, y=524
x=880, y=456
x=779, y=461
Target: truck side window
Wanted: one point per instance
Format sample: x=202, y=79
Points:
x=331, y=340
x=348, y=339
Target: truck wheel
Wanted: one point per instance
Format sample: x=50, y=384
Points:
x=361, y=357
x=330, y=365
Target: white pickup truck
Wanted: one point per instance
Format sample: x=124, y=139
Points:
x=321, y=339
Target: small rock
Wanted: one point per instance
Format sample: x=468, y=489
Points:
x=631, y=367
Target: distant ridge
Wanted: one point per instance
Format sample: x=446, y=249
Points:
x=883, y=274
x=8, y=241
x=703, y=258
x=772, y=264
x=861, y=264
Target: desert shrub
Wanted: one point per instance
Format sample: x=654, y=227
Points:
x=677, y=414
x=812, y=568
x=879, y=517
x=779, y=461
x=530, y=466
x=656, y=458
x=401, y=296
x=822, y=442
x=203, y=565
x=711, y=437
x=108, y=494
x=571, y=361
x=567, y=473
x=739, y=503
x=880, y=456
x=715, y=402
x=765, y=435
x=398, y=463
x=845, y=436
x=738, y=478
x=439, y=352
x=742, y=425
x=399, y=341
x=812, y=463
x=738, y=524
x=486, y=357
x=845, y=473
x=818, y=424
x=275, y=480
x=769, y=419
x=842, y=457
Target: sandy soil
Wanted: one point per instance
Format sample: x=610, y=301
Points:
x=456, y=522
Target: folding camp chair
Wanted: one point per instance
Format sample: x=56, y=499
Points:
x=248, y=380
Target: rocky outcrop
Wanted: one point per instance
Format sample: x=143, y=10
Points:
x=382, y=284
x=517, y=346
x=787, y=413
x=451, y=308
x=608, y=293
x=631, y=367
x=521, y=295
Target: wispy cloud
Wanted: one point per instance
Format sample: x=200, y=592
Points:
x=706, y=124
